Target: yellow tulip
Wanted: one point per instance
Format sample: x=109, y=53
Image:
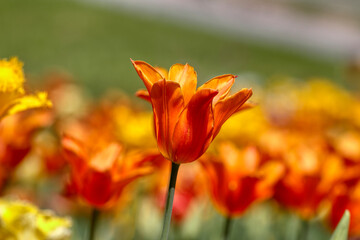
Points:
x=23, y=221
x=13, y=98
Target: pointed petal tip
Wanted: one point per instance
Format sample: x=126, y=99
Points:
x=247, y=91
x=143, y=94
x=136, y=62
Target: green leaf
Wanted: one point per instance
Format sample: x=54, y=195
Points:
x=342, y=229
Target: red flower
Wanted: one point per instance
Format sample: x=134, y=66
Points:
x=99, y=175
x=188, y=119
x=311, y=175
x=237, y=179
x=16, y=134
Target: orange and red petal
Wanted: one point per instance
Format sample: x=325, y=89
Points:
x=270, y=173
x=241, y=195
x=163, y=72
x=97, y=188
x=186, y=76
x=231, y=194
x=221, y=83
x=106, y=158
x=143, y=94
x=193, y=132
x=225, y=108
x=168, y=102
x=147, y=73
x=74, y=153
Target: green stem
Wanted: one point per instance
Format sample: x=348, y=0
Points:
x=93, y=221
x=227, y=228
x=4, y=186
x=304, y=230
x=169, y=201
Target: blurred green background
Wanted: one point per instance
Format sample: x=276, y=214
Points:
x=94, y=44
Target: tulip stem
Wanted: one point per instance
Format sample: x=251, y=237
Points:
x=93, y=221
x=227, y=228
x=169, y=201
x=304, y=229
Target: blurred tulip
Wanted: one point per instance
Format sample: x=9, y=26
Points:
x=132, y=125
x=99, y=174
x=69, y=99
x=23, y=221
x=16, y=141
x=347, y=145
x=13, y=98
x=311, y=174
x=238, y=179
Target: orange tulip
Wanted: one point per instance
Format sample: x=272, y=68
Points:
x=238, y=179
x=99, y=175
x=16, y=132
x=187, y=119
x=311, y=175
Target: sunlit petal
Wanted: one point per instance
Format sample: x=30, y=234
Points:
x=147, y=73
x=168, y=102
x=193, y=132
x=185, y=75
x=228, y=106
x=221, y=83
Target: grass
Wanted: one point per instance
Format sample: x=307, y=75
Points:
x=94, y=44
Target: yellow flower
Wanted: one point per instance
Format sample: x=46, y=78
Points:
x=11, y=76
x=12, y=94
x=23, y=221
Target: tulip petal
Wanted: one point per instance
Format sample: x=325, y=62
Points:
x=241, y=195
x=270, y=173
x=147, y=73
x=39, y=100
x=162, y=71
x=143, y=94
x=185, y=75
x=97, y=187
x=168, y=103
x=216, y=175
x=225, y=108
x=105, y=159
x=193, y=132
x=221, y=83
x=74, y=152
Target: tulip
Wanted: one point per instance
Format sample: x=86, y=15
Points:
x=100, y=174
x=22, y=220
x=186, y=119
x=12, y=94
x=238, y=179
